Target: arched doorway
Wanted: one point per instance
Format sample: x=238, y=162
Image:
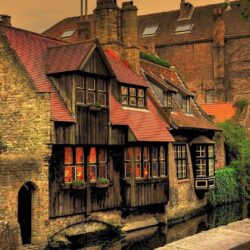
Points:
x=25, y=197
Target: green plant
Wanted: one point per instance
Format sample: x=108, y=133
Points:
x=3, y=147
x=241, y=104
x=154, y=59
x=96, y=104
x=78, y=183
x=244, y=4
x=227, y=189
x=102, y=180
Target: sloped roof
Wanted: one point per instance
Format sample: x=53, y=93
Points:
x=68, y=57
x=123, y=72
x=202, y=20
x=221, y=111
x=31, y=50
x=146, y=125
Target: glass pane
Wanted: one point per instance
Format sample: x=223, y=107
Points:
x=127, y=170
x=80, y=96
x=163, y=169
x=103, y=170
x=183, y=28
x=125, y=100
x=90, y=83
x=91, y=97
x=133, y=101
x=102, y=155
x=92, y=155
x=128, y=154
x=80, y=82
x=79, y=155
x=138, y=170
x=154, y=169
x=132, y=91
x=150, y=31
x=211, y=151
x=101, y=98
x=68, y=174
x=200, y=151
x=154, y=153
x=137, y=153
x=183, y=155
x=68, y=155
x=146, y=170
x=124, y=90
x=141, y=102
x=146, y=153
x=67, y=33
x=141, y=93
x=201, y=167
x=162, y=153
x=101, y=85
x=93, y=173
x=79, y=173
x=211, y=167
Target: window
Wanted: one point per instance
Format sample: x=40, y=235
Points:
x=75, y=164
x=204, y=160
x=67, y=33
x=186, y=106
x=90, y=90
x=209, y=96
x=168, y=100
x=134, y=97
x=142, y=165
x=183, y=28
x=181, y=160
x=150, y=31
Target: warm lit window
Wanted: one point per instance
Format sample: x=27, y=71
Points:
x=142, y=165
x=168, y=100
x=91, y=90
x=211, y=160
x=134, y=97
x=181, y=160
x=74, y=164
x=186, y=105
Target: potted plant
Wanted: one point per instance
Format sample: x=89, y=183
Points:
x=95, y=106
x=102, y=182
x=78, y=184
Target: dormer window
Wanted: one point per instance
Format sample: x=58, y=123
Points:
x=133, y=97
x=186, y=105
x=91, y=90
x=168, y=100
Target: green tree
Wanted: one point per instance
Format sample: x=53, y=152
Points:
x=245, y=8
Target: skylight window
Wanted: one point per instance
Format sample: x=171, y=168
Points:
x=150, y=31
x=183, y=28
x=67, y=33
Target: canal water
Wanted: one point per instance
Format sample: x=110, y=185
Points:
x=151, y=238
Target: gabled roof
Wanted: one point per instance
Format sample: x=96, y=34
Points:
x=123, y=72
x=202, y=21
x=146, y=125
x=68, y=57
x=221, y=111
x=31, y=49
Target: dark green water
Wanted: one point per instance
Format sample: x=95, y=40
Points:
x=159, y=236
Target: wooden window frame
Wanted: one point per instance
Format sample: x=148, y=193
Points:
x=181, y=161
x=136, y=96
x=168, y=100
x=186, y=104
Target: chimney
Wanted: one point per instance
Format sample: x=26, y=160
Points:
x=5, y=20
x=83, y=27
x=107, y=17
x=219, y=44
x=186, y=10
x=129, y=32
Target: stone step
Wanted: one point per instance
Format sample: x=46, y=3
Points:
x=30, y=247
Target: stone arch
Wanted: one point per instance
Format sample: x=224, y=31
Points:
x=28, y=204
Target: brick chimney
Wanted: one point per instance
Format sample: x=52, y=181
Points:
x=107, y=18
x=186, y=10
x=5, y=20
x=219, y=44
x=83, y=27
x=129, y=32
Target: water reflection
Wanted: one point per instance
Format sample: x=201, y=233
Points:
x=156, y=237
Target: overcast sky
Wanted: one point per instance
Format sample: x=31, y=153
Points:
x=38, y=15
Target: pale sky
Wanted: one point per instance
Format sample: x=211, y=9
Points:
x=39, y=15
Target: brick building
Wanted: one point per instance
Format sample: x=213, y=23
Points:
x=88, y=128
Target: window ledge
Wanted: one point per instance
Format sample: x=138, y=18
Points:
x=135, y=109
x=183, y=181
x=147, y=180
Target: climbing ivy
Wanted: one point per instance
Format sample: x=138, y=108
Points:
x=154, y=59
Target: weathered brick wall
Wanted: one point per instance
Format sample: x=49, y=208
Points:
x=25, y=131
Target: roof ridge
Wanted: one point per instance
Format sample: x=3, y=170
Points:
x=216, y=103
x=33, y=33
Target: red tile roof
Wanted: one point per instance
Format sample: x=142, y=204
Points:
x=146, y=125
x=68, y=57
x=123, y=72
x=221, y=111
x=31, y=49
